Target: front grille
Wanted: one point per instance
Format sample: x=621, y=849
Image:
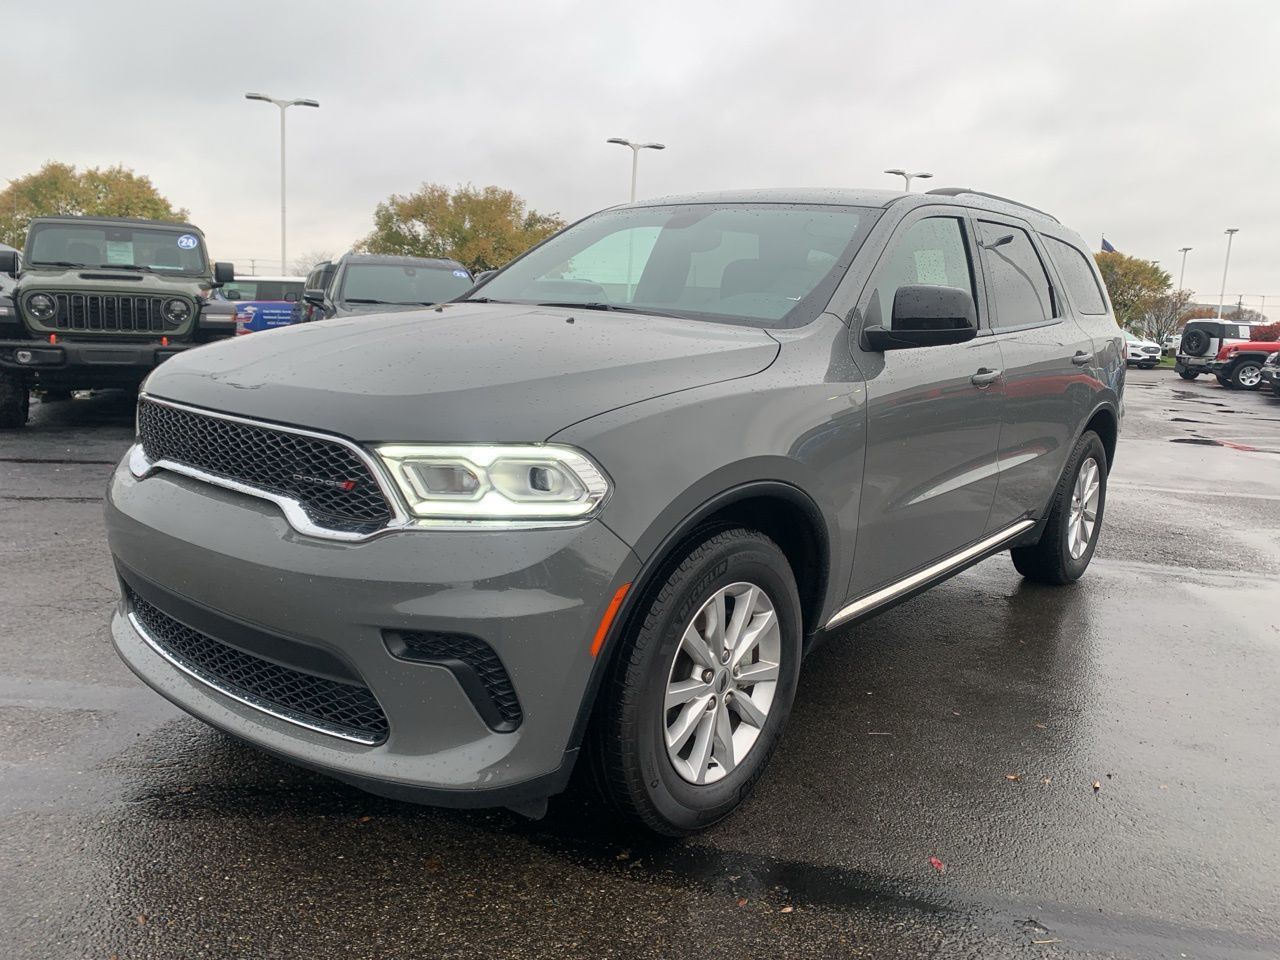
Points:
x=109, y=313
x=474, y=655
x=333, y=484
x=345, y=709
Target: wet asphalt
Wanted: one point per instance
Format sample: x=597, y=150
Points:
x=993, y=769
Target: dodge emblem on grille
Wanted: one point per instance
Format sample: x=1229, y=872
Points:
x=347, y=485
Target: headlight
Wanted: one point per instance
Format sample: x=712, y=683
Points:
x=41, y=306
x=176, y=311
x=496, y=483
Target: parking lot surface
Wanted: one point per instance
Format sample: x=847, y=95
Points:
x=992, y=769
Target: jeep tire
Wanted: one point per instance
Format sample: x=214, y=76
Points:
x=1245, y=375
x=1186, y=374
x=15, y=401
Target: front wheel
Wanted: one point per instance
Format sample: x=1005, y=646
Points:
x=697, y=697
x=1188, y=374
x=1246, y=375
x=15, y=401
x=1075, y=519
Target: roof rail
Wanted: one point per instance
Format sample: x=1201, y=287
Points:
x=957, y=191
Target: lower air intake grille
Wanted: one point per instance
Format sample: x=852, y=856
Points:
x=476, y=667
x=342, y=709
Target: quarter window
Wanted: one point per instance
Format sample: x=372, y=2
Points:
x=932, y=252
x=1078, y=275
x=1019, y=284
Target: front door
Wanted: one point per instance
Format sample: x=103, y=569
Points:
x=933, y=415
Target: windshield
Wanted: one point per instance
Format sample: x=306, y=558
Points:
x=763, y=264
x=251, y=289
x=402, y=283
x=125, y=246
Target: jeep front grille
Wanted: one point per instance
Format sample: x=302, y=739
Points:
x=325, y=477
x=107, y=313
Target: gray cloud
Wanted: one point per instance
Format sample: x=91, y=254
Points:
x=1151, y=122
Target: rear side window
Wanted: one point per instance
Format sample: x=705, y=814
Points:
x=930, y=251
x=1019, y=283
x=1078, y=275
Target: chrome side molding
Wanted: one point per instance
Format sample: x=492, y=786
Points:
x=941, y=568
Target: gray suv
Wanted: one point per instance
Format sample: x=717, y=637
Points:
x=599, y=510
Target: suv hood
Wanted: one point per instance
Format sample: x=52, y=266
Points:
x=460, y=373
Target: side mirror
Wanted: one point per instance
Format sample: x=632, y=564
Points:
x=314, y=296
x=9, y=262
x=223, y=273
x=926, y=316
x=483, y=275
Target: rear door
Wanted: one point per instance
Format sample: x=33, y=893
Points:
x=933, y=413
x=1047, y=360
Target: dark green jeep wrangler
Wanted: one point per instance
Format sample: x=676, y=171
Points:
x=99, y=302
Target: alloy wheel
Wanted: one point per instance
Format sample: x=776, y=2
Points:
x=1249, y=375
x=1084, y=508
x=722, y=682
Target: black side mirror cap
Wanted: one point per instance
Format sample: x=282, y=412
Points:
x=223, y=273
x=9, y=262
x=926, y=316
x=313, y=296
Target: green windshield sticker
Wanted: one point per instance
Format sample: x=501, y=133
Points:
x=119, y=251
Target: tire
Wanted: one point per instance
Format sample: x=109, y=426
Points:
x=1223, y=381
x=1188, y=374
x=1052, y=559
x=628, y=744
x=1246, y=375
x=15, y=402
x=54, y=396
x=1195, y=342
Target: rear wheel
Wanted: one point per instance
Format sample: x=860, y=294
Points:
x=1188, y=374
x=1223, y=380
x=15, y=401
x=1246, y=375
x=697, y=697
x=1075, y=519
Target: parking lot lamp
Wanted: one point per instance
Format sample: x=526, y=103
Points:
x=635, y=157
x=1183, y=272
x=908, y=177
x=283, y=105
x=1222, y=294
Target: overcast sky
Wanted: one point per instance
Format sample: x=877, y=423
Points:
x=1154, y=123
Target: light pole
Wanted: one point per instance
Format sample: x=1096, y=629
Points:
x=635, y=157
x=1183, y=272
x=283, y=105
x=908, y=177
x=1222, y=295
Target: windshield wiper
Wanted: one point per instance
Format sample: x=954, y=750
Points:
x=368, y=300
x=610, y=307
x=55, y=263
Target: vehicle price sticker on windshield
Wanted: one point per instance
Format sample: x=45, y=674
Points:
x=119, y=251
x=188, y=241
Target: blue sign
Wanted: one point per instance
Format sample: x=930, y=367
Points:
x=188, y=241
x=263, y=315
x=463, y=274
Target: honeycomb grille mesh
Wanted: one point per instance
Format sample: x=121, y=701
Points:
x=479, y=656
x=343, y=707
x=334, y=486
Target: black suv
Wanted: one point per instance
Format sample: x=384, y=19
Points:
x=371, y=283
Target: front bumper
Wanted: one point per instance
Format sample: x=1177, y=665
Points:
x=535, y=597
x=87, y=361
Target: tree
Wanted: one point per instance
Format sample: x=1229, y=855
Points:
x=1132, y=283
x=1269, y=332
x=59, y=189
x=1163, y=315
x=304, y=264
x=480, y=228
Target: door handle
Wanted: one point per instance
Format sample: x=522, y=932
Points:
x=1082, y=359
x=985, y=378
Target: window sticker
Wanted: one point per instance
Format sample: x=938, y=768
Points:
x=931, y=268
x=119, y=251
x=188, y=241
x=461, y=273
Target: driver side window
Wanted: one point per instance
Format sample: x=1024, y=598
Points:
x=933, y=252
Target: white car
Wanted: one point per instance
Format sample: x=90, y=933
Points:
x=1142, y=353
